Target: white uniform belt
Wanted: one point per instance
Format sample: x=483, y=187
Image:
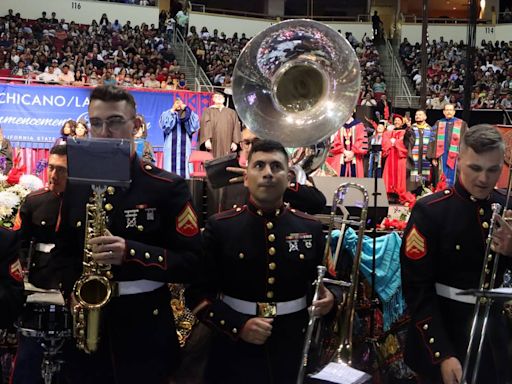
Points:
x=262, y=309
x=44, y=247
x=451, y=293
x=137, y=286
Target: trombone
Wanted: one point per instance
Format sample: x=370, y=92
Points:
x=343, y=352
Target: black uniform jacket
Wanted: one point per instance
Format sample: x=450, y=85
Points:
x=40, y=219
x=11, y=278
x=444, y=242
x=156, y=217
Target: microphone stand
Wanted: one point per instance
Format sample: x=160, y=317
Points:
x=375, y=149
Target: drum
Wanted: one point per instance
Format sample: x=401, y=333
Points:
x=44, y=320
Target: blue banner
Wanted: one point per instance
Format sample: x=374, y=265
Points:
x=36, y=113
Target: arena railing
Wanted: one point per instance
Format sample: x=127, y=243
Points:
x=157, y=2
x=201, y=81
x=204, y=9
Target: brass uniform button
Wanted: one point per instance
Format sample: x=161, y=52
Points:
x=292, y=185
x=278, y=211
x=155, y=312
x=148, y=167
x=111, y=190
x=222, y=322
x=109, y=275
x=140, y=228
x=210, y=314
x=271, y=251
x=457, y=247
x=425, y=327
x=43, y=222
x=109, y=207
x=271, y=280
x=437, y=354
x=485, y=225
x=241, y=255
x=132, y=252
x=78, y=224
x=446, y=191
x=301, y=256
x=270, y=225
x=272, y=266
x=238, y=209
x=481, y=212
x=431, y=340
x=160, y=259
x=259, y=212
x=234, y=330
x=147, y=255
x=270, y=294
x=271, y=238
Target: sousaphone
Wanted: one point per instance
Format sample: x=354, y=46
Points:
x=296, y=82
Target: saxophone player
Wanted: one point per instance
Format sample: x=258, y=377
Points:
x=152, y=239
x=442, y=253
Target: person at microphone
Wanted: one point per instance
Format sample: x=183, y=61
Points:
x=443, y=249
x=263, y=259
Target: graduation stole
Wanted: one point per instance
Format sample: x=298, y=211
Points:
x=415, y=151
x=453, y=149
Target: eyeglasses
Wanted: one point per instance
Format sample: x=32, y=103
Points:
x=113, y=124
x=248, y=143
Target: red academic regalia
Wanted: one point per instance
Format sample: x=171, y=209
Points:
x=351, y=137
x=396, y=161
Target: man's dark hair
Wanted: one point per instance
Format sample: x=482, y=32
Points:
x=482, y=138
x=59, y=149
x=112, y=93
x=268, y=146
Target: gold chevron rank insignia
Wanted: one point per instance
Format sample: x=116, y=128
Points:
x=186, y=222
x=16, y=271
x=415, y=244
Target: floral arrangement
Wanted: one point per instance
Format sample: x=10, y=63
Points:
x=12, y=196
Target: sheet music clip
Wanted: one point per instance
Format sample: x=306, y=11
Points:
x=502, y=293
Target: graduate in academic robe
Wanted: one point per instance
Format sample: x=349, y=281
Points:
x=178, y=124
x=348, y=148
x=395, y=153
x=220, y=128
x=417, y=139
x=445, y=145
x=376, y=162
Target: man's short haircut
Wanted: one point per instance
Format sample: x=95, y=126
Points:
x=268, y=146
x=59, y=149
x=112, y=93
x=482, y=138
x=421, y=110
x=449, y=104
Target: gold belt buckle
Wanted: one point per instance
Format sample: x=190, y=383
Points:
x=267, y=309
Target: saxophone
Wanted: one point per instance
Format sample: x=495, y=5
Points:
x=93, y=289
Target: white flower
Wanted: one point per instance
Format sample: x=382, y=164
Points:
x=18, y=190
x=2, y=178
x=31, y=182
x=5, y=211
x=9, y=199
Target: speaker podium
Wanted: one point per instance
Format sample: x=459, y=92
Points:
x=354, y=199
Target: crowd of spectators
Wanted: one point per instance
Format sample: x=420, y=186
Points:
x=446, y=70
x=217, y=54
x=54, y=51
